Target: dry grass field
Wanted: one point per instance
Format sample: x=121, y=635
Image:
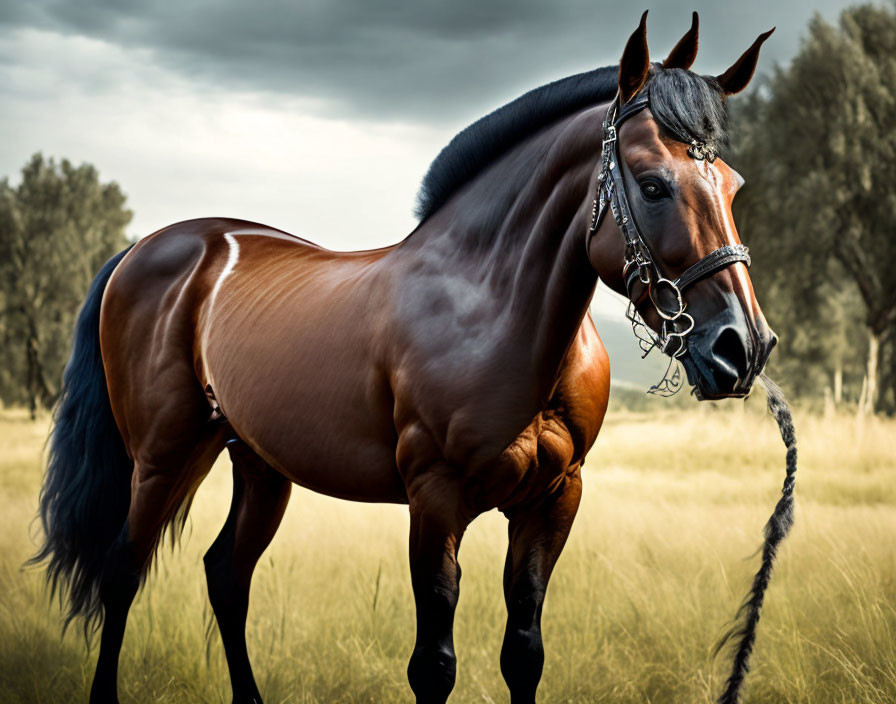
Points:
x=656, y=565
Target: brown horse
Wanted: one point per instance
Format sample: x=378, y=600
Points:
x=455, y=372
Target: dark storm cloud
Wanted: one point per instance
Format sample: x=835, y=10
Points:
x=399, y=59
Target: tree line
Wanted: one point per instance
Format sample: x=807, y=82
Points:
x=816, y=142
x=57, y=228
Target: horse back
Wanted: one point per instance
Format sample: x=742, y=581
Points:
x=281, y=334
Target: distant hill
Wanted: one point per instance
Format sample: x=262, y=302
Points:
x=627, y=369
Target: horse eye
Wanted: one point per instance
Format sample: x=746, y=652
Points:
x=652, y=189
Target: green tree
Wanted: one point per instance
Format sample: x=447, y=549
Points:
x=817, y=145
x=57, y=227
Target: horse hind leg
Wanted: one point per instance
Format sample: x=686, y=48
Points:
x=159, y=492
x=260, y=496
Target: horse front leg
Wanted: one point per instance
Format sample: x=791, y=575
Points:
x=538, y=532
x=436, y=532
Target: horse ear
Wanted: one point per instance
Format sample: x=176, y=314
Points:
x=736, y=78
x=635, y=62
x=684, y=53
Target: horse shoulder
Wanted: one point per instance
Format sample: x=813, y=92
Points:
x=553, y=445
x=583, y=391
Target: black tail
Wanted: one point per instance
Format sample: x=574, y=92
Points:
x=86, y=493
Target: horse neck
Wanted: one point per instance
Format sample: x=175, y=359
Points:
x=519, y=231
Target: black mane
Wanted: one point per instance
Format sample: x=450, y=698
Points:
x=687, y=106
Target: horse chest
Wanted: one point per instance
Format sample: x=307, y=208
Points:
x=536, y=462
x=555, y=442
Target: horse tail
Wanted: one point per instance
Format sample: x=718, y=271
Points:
x=85, y=496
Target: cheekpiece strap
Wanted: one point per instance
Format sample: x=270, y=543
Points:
x=610, y=176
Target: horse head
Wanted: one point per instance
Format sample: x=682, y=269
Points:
x=670, y=194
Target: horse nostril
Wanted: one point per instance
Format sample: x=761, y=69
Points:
x=764, y=350
x=730, y=358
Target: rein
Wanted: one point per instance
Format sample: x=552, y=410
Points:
x=742, y=634
x=640, y=266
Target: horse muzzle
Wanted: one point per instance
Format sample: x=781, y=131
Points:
x=726, y=354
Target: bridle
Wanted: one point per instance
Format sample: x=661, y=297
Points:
x=640, y=267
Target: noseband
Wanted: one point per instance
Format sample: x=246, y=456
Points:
x=640, y=267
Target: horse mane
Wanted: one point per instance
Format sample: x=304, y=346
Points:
x=686, y=105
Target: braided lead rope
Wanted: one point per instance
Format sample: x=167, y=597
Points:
x=777, y=528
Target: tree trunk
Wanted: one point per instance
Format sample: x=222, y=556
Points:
x=31, y=372
x=886, y=398
x=838, y=383
x=871, y=372
x=860, y=409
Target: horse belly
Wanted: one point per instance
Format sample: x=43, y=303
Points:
x=343, y=468
x=308, y=398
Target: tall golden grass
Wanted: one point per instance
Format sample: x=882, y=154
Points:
x=655, y=568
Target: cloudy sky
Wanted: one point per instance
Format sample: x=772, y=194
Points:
x=315, y=116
